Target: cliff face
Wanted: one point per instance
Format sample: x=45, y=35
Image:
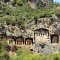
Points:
x=41, y=3
x=45, y=22
x=43, y=28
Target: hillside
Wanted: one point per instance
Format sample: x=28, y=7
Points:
x=29, y=29
x=22, y=11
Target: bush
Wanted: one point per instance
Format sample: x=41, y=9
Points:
x=54, y=56
x=20, y=2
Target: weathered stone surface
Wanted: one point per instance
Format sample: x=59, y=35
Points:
x=41, y=31
x=13, y=31
x=42, y=41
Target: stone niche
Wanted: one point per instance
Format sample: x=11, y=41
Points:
x=54, y=38
x=19, y=41
x=41, y=35
x=28, y=41
x=10, y=41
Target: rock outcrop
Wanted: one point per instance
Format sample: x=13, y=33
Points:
x=32, y=3
x=39, y=3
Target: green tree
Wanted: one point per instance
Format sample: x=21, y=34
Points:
x=20, y=2
x=4, y=51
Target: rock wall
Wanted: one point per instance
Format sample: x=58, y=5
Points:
x=42, y=41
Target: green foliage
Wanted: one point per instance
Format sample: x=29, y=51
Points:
x=4, y=48
x=5, y=9
x=32, y=57
x=54, y=56
x=4, y=56
x=19, y=52
x=20, y=2
x=23, y=12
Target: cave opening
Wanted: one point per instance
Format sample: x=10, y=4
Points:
x=42, y=46
x=54, y=38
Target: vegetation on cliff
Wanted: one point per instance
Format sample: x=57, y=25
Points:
x=22, y=12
